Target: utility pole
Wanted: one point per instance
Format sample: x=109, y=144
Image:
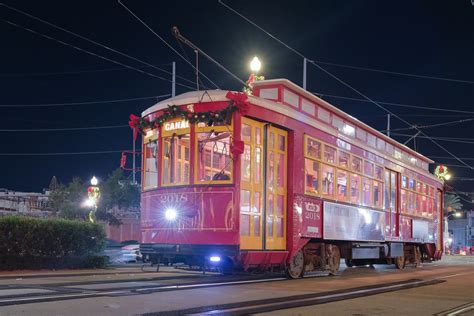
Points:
x=388, y=125
x=197, y=69
x=173, y=81
x=304, y=73
x=133, y=175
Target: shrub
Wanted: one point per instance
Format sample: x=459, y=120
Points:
x=29, y=243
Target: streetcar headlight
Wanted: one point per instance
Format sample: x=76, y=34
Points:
x=171, y=214
x=215, y=259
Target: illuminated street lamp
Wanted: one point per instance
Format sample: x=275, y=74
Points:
x=93, y=192
x=448, y=240
x=255, y=66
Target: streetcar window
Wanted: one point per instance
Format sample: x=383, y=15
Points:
x=378, y=172
x=245, y=164
x=176, y=155
x=312, y=173
x=368, y=168
x=327, y=183
x=329, y=154
x=366, y=191
x=377, y=194
x=404, y=181
x=356, y=164
x=411, y=203
x=355, y=188
x=313, y=148
x=412, y=184
x=341, y=193
x=150, y=175
x=386, y=191
x=214, y=161
x=344, y=159
x=404, y=201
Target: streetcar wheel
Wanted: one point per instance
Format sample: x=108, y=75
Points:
x=334, y=259
x=400, y=262
x=349, y=263
x=295, y=267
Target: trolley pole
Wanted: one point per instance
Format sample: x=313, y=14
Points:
x=173, y=81
x=133, y=175
x=304, y=73
x=388, y=125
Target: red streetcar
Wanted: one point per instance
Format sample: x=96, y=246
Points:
x=280, y=180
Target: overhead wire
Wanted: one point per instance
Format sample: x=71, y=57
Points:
x=445, y=139
x=343, y=65
x=88, y=52
x=312, y=62
x=431, y=126
x=63, y=153
x=84, y=102
x=90, y=40
x=63, y=129
x=394, y=104
x=166, y=43
x=58, y=73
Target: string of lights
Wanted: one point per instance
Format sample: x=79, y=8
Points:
x=91, y=41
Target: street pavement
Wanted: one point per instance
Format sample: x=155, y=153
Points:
x=456, y=271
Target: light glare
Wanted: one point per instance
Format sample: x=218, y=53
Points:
x=94, y=180
x=255, y=64
x=170, y=214
x=215, y=259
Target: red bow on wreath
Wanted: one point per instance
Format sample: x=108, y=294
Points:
x=441, y=168
x=240, y=101
x=134, y=124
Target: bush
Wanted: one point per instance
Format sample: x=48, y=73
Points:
x=32, y=243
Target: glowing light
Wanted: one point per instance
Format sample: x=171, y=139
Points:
x=457, y=214
x=255, y=65
x=94, y=180
x=171, y=214
x=215, y=259
x=89, y=203
x=448, y=176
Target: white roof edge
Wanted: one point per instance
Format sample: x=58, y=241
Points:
x=332, y=108
x=188, y=98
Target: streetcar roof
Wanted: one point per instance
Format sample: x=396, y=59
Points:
x=220, y=95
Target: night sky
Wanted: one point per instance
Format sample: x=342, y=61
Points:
x=429, y=38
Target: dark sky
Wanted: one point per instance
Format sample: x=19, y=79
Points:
x=431, y=38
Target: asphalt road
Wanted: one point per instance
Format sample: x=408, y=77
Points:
x=446, y=286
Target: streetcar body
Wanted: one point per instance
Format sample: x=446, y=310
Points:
x=285, y=180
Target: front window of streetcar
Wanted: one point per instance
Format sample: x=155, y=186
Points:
x=213, y=156
x=150, y=159
x=176, y=153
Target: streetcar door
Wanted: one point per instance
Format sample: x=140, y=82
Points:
x=275, y=188
x=391, y=202
x=251, y=185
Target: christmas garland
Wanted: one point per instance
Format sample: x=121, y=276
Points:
x=441, y=171
x=237, y=102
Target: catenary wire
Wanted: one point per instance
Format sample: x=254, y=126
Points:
x=341, y=65
x=90, y=40
x=166, y=43
x=58, y=73
x=394, y=104
x=63, y=129
x=312, y=62
x=437, y=138
x=63, y=153
x=89, y=52
x=431, y=126
x=84, y=103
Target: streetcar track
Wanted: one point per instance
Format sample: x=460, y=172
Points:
x=268, y=305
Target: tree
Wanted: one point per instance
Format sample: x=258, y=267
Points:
x=67, y=200
x=117, y=194
x=452, y=203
